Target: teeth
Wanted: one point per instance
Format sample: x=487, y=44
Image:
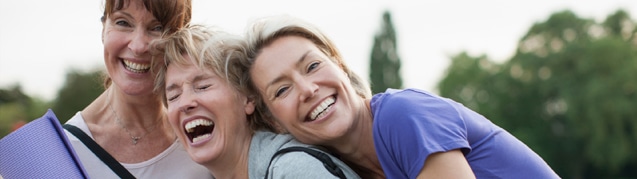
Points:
x=201, y=137
x=320, y=115
x=190, y=126
x=136, y=67
x=321, y=109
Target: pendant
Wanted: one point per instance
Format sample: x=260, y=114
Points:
x=135, y=139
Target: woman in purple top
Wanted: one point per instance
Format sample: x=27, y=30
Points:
x=303, y=82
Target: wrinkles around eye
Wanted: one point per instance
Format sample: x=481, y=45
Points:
x=172, y=97
x=280, y=91
x=313, y=66
x=203, y=87
x=122, y=23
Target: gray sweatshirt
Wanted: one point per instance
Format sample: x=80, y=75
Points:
x=287, y=165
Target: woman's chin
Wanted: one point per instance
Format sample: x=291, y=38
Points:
x=202, y=157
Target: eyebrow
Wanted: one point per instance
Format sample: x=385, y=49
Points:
x=154, y=20
x=124, y=13
x=172, y=87
x=280, y=78
x=201, y=77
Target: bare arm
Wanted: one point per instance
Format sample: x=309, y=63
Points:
x=451, y=164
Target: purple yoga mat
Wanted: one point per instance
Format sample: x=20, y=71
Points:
x=39, y=149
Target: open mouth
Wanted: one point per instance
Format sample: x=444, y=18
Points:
x=199, y=129
x=321, y=109
x=136, y=67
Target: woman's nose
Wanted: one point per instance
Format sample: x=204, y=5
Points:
x=139, y=42
x=307, y=89
x=188, y=102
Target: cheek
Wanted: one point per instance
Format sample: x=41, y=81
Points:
x=173, y=117
x=113, y=41
x=284, y=112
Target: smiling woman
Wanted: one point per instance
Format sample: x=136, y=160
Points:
x=218, y=124
x=408, y=133
x=127, y=120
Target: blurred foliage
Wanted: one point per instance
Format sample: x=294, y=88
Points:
x=78, y=91
x=385, y=63
x=568, y=93
x=17, y=108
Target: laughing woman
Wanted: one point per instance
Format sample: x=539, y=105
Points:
x=124, y=133
x=408, y=133
x=217, y=123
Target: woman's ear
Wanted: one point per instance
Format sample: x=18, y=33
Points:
x=103, y=28
x=249, y=105
x=103, y=20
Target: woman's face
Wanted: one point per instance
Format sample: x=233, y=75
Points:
x=126, y=35
x=310, y=95
x=208, y=116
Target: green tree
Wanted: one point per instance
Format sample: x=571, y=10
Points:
x=16, y=107
x=385, y=63
x=79, y=90
x=568, y=93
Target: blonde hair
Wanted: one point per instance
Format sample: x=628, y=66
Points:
x=210, y=49
x=264, y=31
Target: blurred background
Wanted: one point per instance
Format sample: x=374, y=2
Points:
x=561, y=75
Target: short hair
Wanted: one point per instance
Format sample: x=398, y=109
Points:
x=262, y=32
x=210, y=49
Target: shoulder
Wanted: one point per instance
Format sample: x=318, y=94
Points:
x=291, y=164
x=417, y=118
x=299, y=164
x=270, y=138
x=78, y=121
x=262, y=148
x=411, y=104
x=265, y=143
x=399, y=99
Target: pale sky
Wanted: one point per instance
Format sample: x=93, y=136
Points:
x=41, y=39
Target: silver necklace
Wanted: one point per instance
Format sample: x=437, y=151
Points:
x=119, y=122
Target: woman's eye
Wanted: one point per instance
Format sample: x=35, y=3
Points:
x=172, y=97
x=313, y=66
x=122, y=23
x=158, y=28
x=280, y=91
x=203, y=87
